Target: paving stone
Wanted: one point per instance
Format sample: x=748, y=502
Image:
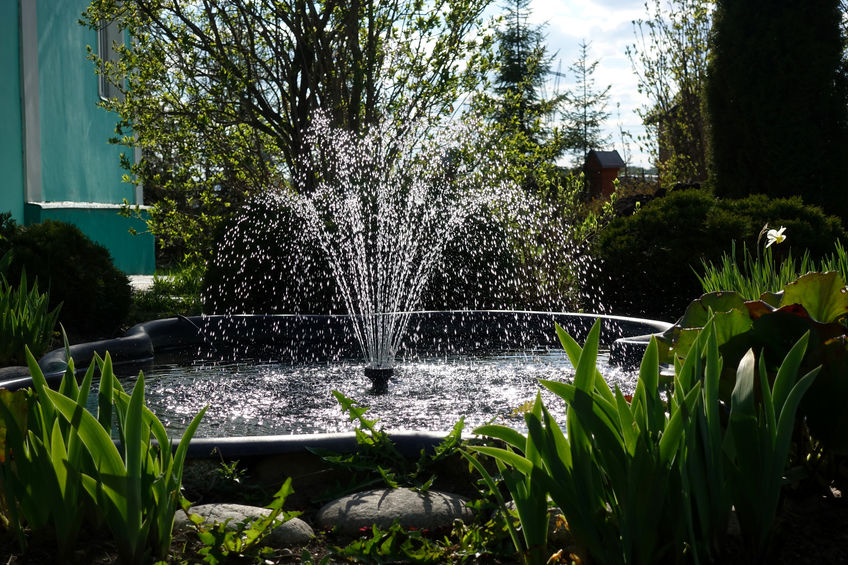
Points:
x=382, y=507
x=291, y=532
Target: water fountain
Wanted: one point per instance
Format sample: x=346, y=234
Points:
x=382, y=207
x=382, y=213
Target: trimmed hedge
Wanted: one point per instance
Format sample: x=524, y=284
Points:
x=78, y=273
x=262, y=264
x=649, y=257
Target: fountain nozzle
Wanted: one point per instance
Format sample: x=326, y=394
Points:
x=379, y=377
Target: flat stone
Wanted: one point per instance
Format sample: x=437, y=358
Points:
x=13, y=372
x=382, y=507
x=290, y=532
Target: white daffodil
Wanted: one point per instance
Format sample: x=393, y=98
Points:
x=775, y=236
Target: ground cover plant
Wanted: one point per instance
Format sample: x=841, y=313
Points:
x=378, y=461
x=174, y=292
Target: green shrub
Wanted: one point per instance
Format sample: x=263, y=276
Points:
x=500, y=258
x=261, y=265
x=650, y=258
x=78, y=272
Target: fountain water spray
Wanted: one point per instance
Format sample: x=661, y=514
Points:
x=381, y=224
x=382, y=206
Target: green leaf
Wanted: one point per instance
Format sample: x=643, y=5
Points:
x=786, y=422
x=99, y=444
x=823, y=295
x=670, y=439
x=503, y=433
x=742, y=398
x=788, y=371
x=133, y=451
x=509, y=457
x=574, y=351
x=700, y=310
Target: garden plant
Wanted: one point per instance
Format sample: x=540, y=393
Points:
x=25, y=318
x=60, y=467
x=645, y=480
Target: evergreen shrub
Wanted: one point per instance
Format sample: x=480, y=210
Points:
x=77, y=272
x=649, y=258
x=261, y=264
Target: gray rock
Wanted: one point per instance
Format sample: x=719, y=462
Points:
x=13, y=372
x=291, y=532
x=382, y=507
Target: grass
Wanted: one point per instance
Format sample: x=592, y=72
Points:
x=175, y=291
x=752, y=276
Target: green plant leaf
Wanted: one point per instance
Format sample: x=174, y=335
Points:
x=509, y=457
x=823, y=295
x=786, y=374
x=106, y=457
x=503, y=433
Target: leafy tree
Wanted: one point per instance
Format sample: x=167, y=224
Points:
x=587, y=111
x=217, y=94
x=669, y=58
x=778, y=101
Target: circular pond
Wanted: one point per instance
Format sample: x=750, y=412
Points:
x=425, y=394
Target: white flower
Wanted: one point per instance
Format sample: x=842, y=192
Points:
x=775, y=236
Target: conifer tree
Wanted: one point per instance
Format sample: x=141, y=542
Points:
x=776, y=97
x=587, y=108
x=522, y=117
x=523, y=68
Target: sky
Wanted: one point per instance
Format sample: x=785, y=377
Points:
x=607, y=25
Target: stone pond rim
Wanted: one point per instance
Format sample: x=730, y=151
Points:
x=328, y=338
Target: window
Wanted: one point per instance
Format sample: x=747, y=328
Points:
x=107, y=36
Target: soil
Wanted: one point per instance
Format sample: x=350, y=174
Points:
x=811, y=529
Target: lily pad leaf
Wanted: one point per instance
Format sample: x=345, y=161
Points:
x=758, y=308
x=823, y=295
x=773, y=299
x=698, y=311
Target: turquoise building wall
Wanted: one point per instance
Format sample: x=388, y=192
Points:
x=104, y=225
x=57, y=162
x=11, y=140
x=74, y=171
